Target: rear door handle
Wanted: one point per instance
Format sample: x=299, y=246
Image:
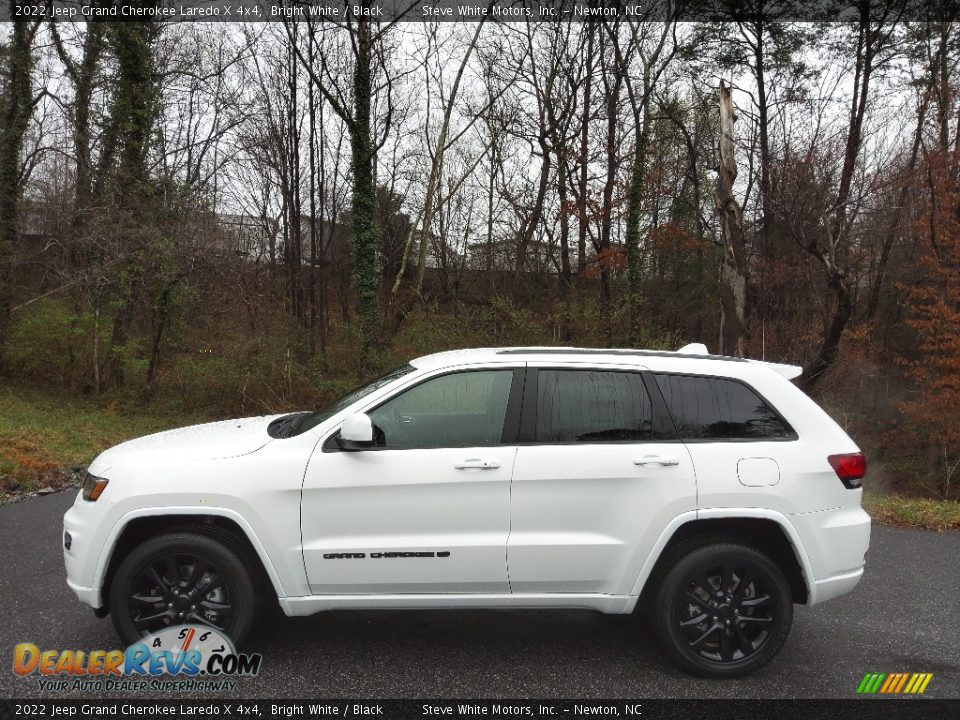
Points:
x=477, y=464
x=664, y=460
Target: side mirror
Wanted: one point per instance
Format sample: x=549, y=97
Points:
x=356, y=433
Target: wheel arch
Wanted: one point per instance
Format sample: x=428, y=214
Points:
x=767, y=530
x=137, y=526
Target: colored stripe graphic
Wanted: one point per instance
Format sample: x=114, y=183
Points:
x=891, y=681
x=862, y=687
x=923, y=679
x=894, y=683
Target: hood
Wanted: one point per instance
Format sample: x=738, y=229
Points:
x=210, y=441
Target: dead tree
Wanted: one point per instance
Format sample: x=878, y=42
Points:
x=733, y=278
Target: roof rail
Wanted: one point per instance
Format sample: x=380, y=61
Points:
x=698, y=353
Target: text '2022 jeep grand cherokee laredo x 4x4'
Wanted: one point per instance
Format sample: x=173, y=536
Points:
x=710, y=489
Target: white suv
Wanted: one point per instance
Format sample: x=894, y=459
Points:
x=708, y=490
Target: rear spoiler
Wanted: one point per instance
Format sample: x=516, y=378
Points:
x=788, y=371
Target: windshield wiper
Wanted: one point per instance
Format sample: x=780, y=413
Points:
x=286, y=426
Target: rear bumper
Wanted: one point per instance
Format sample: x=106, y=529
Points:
x=836, y=543
x=823, y=590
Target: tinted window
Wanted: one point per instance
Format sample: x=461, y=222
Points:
x=592, y=406
x=459, y=410
x=706, y=408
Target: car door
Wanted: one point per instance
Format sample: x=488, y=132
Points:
x=426, y=510
x=741, y=444
x=599, y=474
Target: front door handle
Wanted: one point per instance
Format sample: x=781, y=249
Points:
x=664, y=460
x=477, y=464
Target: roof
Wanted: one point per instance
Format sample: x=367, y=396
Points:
x=693, y=352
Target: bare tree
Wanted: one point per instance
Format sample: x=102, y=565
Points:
x=368, y=57
x=656, y=44
x=872, y=41
x=733, y=279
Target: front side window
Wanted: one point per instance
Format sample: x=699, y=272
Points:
x=465, y=409
x=706, y=408
x=592, y=406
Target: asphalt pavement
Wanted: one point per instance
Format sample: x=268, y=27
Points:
x=903, y=617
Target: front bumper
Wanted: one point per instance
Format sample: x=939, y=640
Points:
x=89, y=596
x=81, y=558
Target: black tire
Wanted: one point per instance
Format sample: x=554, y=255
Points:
x=723, y=610
x=206, y=578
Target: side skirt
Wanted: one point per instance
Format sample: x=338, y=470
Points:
x=610, y=604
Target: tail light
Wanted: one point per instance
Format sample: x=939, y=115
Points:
x=850, y=468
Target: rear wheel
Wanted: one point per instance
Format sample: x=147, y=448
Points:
x=723, y=610
x=183, y=578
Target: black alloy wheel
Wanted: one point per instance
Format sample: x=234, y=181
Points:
x=724, y=610
x=177, y=588
x=182, y=578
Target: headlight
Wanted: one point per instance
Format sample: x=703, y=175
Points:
x=93, y=486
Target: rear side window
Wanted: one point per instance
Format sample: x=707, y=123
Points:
x=706, y=408
x=592, y=406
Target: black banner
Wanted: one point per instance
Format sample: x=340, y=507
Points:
x=475, y=10
x=462, y=709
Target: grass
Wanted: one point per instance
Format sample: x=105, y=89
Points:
x=913, y=512
x=40, y=433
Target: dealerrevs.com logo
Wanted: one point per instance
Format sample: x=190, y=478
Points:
x=183, y=657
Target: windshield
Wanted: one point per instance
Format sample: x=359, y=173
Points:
x=315, y=418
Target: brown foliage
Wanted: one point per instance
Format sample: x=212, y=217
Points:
x=935, y=316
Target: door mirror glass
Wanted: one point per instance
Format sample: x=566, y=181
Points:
x=356, y=433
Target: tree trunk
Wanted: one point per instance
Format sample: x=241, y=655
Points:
x=869, y=41
x=733, y=281
x=606, y=222
x=126, y=188
x=893, y=226
x=293, y=251
x=494, y=163
x=314, y=259
x=763, y=123
x=15, y=113
x=83, y=77
x=425, y=218
x=566, y=331
x=366, y=240
x=827, y=353
x=161, y=319
x=634, y=210
x=530, y=227
x=584, y=154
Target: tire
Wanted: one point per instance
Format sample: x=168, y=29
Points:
x=207, y=580
x=723, y=634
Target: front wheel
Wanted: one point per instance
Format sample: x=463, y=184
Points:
x=723, y=610
x=183, y=578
